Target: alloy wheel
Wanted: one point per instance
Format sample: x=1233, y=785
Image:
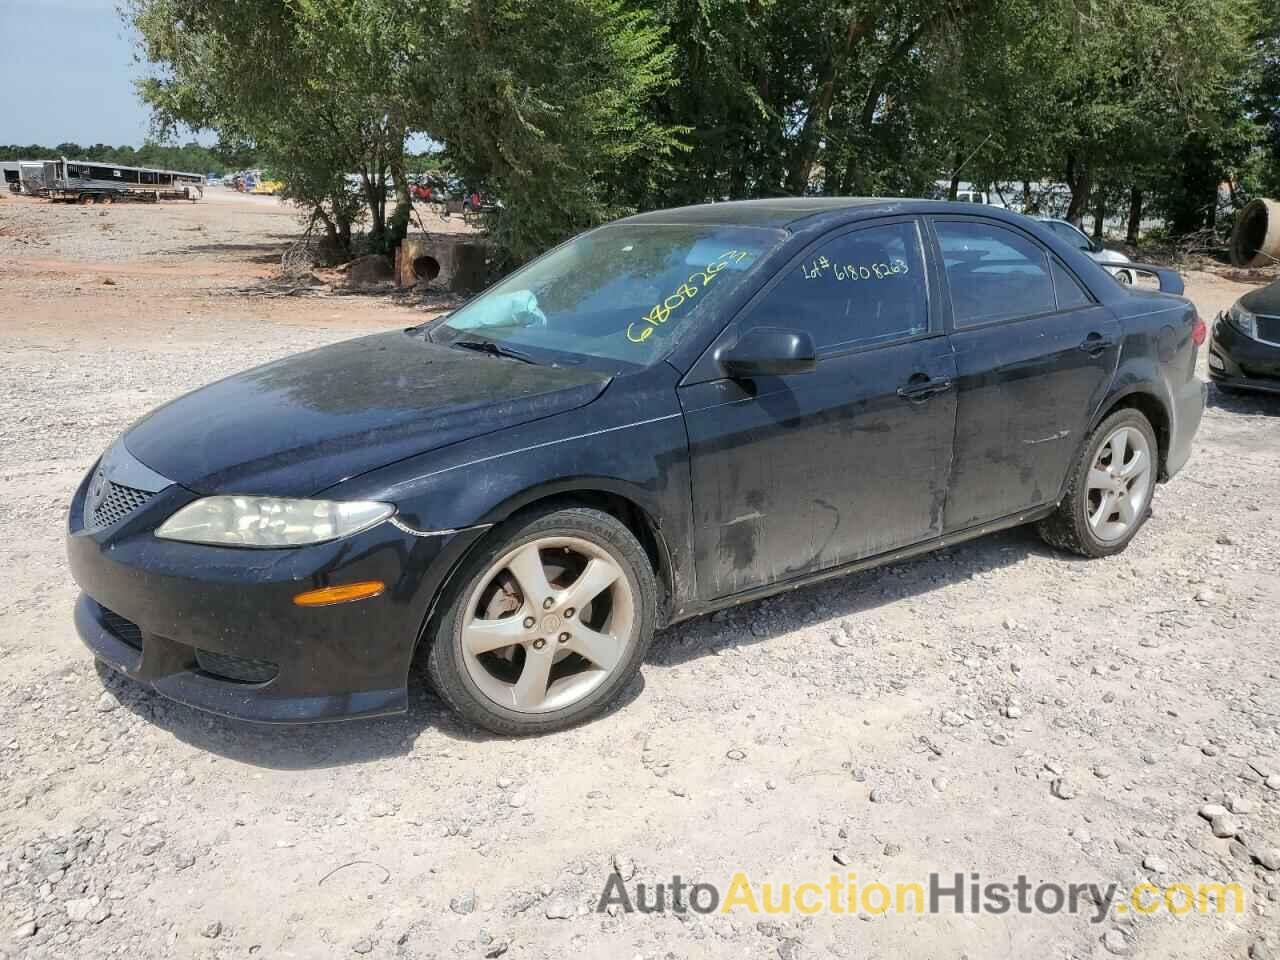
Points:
x=547, y=623
x=1119, y=482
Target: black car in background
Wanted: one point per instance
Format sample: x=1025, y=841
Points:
x=667, y=415
x=1245, y=352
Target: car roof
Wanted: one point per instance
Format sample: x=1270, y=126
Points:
x=785, y=212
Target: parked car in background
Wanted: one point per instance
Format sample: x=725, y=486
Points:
x=429, y=188
x=1082, y=242
x=1245, y=351
x=665, y=416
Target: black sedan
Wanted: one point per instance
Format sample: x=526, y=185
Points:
x=664, y=416
x=1245, y=352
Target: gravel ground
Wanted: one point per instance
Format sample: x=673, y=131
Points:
x=997, y=708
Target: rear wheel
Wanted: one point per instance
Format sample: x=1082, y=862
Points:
x=1110, y=489
x=545, y=627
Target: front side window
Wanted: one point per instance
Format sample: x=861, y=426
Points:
x=617, y=297
x=860, y=288
x=993, y=273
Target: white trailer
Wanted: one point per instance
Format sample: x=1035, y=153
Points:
x=90, y=181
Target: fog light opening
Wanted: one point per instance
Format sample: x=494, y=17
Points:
x=342, y=593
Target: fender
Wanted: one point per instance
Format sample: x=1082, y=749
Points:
x=584, y=488
x=587, y=487
x=1128, y=382
x=479, y=483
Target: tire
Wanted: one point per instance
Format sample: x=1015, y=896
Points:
x=1125, y=278
x=536, y=681
x=1070, y=527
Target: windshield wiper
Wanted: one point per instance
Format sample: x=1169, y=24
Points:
x=493, y=349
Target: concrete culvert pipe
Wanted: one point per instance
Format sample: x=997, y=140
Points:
x=426, y=268
x=1255, y=241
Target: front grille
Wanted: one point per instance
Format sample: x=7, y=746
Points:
x=240, y=669
x=1269, y=329
x=114, y=504
x=126, y=631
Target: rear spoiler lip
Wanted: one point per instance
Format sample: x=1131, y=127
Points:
x=1170, y=280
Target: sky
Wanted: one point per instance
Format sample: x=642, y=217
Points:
x=66, y=74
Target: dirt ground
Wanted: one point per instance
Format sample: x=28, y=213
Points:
x=997, y=708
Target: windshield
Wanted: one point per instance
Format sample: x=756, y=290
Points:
x=623, y=294
x=1072, y=235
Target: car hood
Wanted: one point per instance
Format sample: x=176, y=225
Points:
x=304, y=423
x=1264, y=300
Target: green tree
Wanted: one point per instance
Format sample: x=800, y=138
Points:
x=314, y=87
x=548, y=104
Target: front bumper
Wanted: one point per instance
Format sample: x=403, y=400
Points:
x=169, y=614
x=1239, y=362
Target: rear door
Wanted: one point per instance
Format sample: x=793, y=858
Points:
x=800, y=473
x=1035, y=354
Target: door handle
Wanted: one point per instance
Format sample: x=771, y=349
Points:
x=923, y=390
x=1095, y=343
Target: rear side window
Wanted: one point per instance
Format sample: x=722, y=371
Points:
x=1070, y=293
x=994, y=273
x=860, y=288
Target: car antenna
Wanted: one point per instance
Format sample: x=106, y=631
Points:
x=964, y=163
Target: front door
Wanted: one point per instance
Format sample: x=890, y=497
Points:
x=799, y=473
x=1035, y=354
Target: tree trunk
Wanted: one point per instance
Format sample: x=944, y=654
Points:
x=1027, y=202
x=887, y=71
x=330, y=231
x=815, y=120
x=375, y=198
x=1135, y=217
x=1079, y=182
x=1099, y=216
x=850, y=176
x=955, y=177
x=399, y=225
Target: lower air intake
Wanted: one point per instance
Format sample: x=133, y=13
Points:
x=224, y=666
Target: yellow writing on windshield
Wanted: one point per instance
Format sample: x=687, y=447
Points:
x=821, y=266
x=641, y=330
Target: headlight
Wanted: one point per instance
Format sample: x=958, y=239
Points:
x=1244, y=321
x=271, y=521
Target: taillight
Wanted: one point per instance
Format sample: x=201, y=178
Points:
x=1199, y=332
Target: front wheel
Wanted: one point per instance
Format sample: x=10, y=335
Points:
x=546, y=625
x=1125, y=278
x=1110, y=489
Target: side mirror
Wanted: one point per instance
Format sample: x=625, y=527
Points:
x=770, y=352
